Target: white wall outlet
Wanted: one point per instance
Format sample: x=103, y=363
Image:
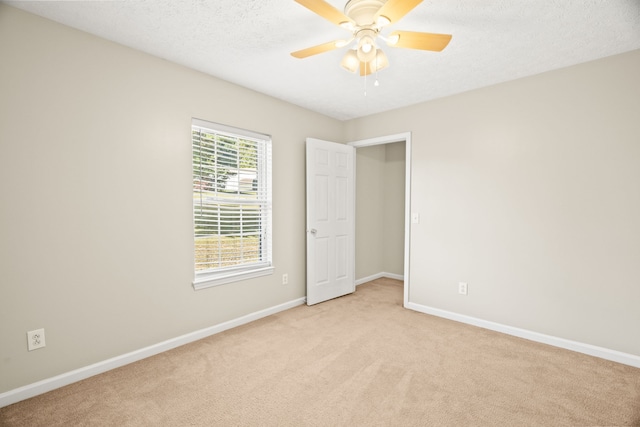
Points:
x=285, y=279
x=35, y=339
x=462, y=288
x=415, y=218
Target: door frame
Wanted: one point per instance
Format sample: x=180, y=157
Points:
x=389, y=139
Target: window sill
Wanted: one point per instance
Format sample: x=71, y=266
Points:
x=223, y=278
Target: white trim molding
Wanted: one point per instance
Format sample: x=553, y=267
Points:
x=379, y=276
x=591, y=350
x=40, y=387
x=203, y=282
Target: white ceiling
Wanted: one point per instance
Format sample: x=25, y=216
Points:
x=248, y=42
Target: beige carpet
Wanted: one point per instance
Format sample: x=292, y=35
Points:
x=360, y=360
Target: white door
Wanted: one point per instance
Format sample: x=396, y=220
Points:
x=330, y=220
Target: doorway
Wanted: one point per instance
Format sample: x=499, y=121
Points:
x=382, y=209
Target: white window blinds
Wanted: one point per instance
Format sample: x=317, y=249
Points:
x=231, y=203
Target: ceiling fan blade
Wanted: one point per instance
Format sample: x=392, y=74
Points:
x=394, y=10
x=314, y=50
x=325, y=10
x=423, y=41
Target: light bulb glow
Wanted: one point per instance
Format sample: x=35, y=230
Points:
x=366, y=49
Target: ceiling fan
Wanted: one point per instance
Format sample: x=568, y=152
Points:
x=365, y=19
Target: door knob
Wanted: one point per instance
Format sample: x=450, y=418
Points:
x=313, y=231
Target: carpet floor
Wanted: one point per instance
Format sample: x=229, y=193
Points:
x=359, y=360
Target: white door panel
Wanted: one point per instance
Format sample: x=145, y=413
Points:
x=330, y=220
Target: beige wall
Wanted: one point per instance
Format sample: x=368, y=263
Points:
x=393, y=206
x=529, y=191
x=95, y=176
x=370, y=163
x=380, y=175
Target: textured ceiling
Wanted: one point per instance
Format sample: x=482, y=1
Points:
x=248, y=42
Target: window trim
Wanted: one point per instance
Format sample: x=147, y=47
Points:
x=220, y=278
x=208, y=278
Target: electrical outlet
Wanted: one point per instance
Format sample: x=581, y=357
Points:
x=285, y=279
x=462, y=288
x=35, y=339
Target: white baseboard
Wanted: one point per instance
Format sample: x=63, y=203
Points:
x=379, y=276
x=591, y=350
x=40, y=387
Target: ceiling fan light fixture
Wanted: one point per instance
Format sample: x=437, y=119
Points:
x=380, y=62
x=366, y=56
x=365, y=19
x=347, y=25
x=350, y=61
x=366, y=48
x=392, y=39
x=382, y=21
x=381, y=58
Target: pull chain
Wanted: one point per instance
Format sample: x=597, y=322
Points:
x=376, y=83
x=365, y=79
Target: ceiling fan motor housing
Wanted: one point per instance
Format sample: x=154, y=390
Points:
x=363, y=12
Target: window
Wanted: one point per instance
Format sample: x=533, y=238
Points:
x=231, y=204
